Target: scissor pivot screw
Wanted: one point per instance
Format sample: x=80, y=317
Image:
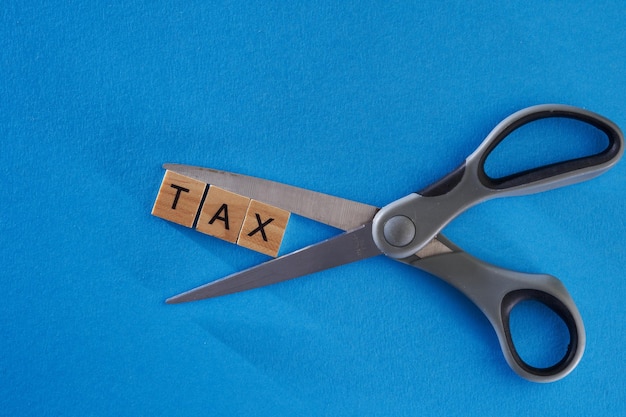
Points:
x=399, y=231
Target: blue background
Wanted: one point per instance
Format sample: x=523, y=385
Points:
x=364, y=100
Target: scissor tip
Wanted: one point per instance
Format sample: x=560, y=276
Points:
x=174, y=300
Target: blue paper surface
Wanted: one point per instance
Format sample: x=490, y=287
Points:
x=364, y=100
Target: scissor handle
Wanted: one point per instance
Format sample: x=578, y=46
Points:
x=496, y=291
x=406, y=225
x=553, y=175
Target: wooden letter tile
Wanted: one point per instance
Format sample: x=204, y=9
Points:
x=263, y=228
x=222, y=214
x=179, y=199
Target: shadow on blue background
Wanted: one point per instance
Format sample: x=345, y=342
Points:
x=367, y=101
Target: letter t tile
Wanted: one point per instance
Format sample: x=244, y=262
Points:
x=179, y=199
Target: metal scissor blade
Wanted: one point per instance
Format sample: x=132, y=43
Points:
x=348, y=247
x=333, y=211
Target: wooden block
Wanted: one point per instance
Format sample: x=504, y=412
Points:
x=263, y=228
x=179, y=199
x=222, y=214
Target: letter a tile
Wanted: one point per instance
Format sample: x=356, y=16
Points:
x=179, y=199
x=222, y=214
x=264, y=228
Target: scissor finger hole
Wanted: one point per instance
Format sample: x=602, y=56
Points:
x=540, y=336
x=542, y=143
x=551, y=344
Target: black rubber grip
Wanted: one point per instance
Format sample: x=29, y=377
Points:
x=551, y=170
x=515, y=297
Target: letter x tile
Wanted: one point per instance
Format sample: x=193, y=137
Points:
x=263, y=228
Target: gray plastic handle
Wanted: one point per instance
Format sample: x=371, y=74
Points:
x=496, y=291
x=403, y=227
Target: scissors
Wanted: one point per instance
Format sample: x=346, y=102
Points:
x=408, y=230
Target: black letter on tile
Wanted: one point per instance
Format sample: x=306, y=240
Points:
x=261, y=226
x=216, y=216
x=178, y=190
